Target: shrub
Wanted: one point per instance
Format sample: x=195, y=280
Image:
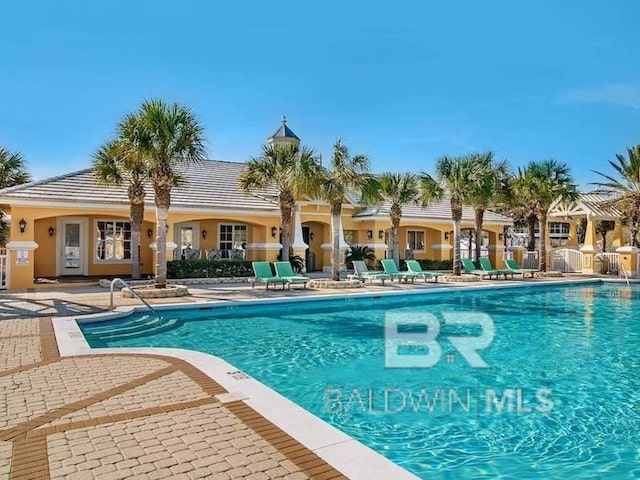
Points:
x=359, y=252
x=428, y=264
x=208, y=268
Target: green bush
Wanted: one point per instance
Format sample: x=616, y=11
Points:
x=428, y=264
x=208, y=268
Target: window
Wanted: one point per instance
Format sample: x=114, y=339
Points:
x=415, y=240
x=559, y=228
x=113, y=240
x=232, y=237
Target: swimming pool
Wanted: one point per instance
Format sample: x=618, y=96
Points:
x=560, y=397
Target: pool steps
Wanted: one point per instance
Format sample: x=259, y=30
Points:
x=146, y=325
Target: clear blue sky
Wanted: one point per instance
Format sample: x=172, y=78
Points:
x=403, y=82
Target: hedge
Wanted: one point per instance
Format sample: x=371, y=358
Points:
x=428, y=264
x=208, y=268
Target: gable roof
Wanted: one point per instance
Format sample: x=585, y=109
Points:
x=437, y=211
x=590, y=204
x=208, y=184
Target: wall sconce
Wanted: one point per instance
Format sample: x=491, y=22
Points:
x=500, y=236
x=380, y=234
x=51, y=231
x=204, y=234
x=274, y=230
x=150, y=233
x=22, y=224
x=446, y=235
x=369, y=234
x=310, y=235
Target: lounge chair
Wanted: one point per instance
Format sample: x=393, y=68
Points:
x=512, y=265
x=414, y=267
x=390, y=268
x=485, y=263
x=264, y=275
x=362, y=273
x=285, y=272
x=470, y=268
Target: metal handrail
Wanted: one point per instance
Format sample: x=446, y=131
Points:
x=623, y=271
x=133, y=292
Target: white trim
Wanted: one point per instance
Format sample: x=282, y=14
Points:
x=170, y=246
x=628, y=249
x=372, y=246
x=442, y=220
x=84, y=245
x=424, y=238
x=111, y=261
x=264, y=246
x=22, y=245
x=442, y=246
x=177, y=235
x=329, y=246
x=233, y=231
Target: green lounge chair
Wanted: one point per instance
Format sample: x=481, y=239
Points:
x=469, y=267
x=264, y=275
x=485, y=263
x=391, y=269
x=362, y=273
x=414, y=267
x=285, y=272
x=512, y=265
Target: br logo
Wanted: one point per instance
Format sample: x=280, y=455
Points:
x=419, y=331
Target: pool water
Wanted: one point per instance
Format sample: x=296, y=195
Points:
x=560, y=397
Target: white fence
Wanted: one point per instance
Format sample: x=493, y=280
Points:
x=612, y=263
x=530, y=259
x=566, y=260
x=4, y=268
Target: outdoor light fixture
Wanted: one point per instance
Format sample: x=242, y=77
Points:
x=310, y=235
x=204, y=234
x=150, y=233
x=369, y=234
x=446, y=235
x=500, y=236
x=22, y=224
x=380, y=234
x=51, y=231
x=274, y=231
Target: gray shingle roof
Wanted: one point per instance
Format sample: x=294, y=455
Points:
x=435, y=211
x=209, y=184
x=284, y=131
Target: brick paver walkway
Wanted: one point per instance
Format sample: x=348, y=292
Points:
x=129, y=416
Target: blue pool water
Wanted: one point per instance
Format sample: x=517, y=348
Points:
x=560, y=397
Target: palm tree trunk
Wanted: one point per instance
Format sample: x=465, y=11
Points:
x=286, y=213
x=531, y=226
x=163, y=201
x=479, y=218
x=456, y=214
x=336, y=212
x=542, y=226
x=396, y=215
x=136, y=212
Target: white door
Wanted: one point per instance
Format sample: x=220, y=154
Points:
x=187, y=235
x=72, y=248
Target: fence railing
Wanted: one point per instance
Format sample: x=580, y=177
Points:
x=612, y=260
x=530, y=259
x=566, y=260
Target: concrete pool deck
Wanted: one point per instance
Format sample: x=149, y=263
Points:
x=132, y=415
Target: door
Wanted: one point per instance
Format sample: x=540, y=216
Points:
x=72, y=257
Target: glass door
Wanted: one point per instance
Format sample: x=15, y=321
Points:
x=72, y=254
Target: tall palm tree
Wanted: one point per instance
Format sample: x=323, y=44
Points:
x=625, y=188
x=345, y=173
x=115, y=163
x=12, y=172
x=292, y=170
x=545, y=182
x=457, y=176
x=522, y=208
x=489, y=189
x=398, y=189
x=167, y=136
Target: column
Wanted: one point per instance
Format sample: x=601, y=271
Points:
x=496, y=250
x=589, y=248
x=344, y=246
x=297, y=242
x=616, y=241
x=572, y=241
x=20, y=258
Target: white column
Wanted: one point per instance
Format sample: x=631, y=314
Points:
x=297, y=241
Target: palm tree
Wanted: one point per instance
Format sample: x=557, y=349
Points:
x=346, y=173
x=12, y=172
x=117, y=162
x=457, y=176
x=520, y=207
x=398, y=189
x=625, y=188
x=546, y=182
x=292, y=170
x=166, y=136
x=488, y=190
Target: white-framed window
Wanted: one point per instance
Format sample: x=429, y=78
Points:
x=232, y=236
x=559, y=228
x=415, y=240
x=113, y=241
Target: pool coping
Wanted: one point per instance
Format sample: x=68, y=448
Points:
x=344, y=453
